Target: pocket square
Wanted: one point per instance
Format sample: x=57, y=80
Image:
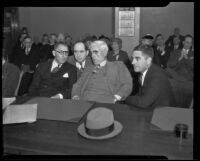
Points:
x=66, y=75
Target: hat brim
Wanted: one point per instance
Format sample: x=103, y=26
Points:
x=117, y=129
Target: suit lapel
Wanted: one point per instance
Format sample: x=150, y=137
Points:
x=147, y=75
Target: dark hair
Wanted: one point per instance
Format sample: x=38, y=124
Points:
x=60, y=43
x=79, y=41
x=145, y=49
x=188, y=35
x=158, y=36
x=117, y=40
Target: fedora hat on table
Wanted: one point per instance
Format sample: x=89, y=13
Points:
x=100, y=124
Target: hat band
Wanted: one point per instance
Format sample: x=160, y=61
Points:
x=99, y=132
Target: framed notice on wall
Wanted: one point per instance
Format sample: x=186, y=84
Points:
x=126, y=21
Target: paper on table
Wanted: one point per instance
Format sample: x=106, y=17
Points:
x=167, y=117
x=8, y=101
x=20, y=114
x=60, y=109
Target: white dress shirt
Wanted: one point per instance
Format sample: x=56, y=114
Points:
x=78, y=65
x=143, y=76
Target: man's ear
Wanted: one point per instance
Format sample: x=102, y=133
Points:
x=149, y=60
x=53, y=52
x=87, y=52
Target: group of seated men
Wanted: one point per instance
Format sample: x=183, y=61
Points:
x=96, y=73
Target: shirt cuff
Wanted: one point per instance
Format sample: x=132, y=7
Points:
x=60, y=95
x=117, y=97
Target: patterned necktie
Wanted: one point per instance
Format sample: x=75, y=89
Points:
x=96, y=68
x=56, y=69
x=81, y=69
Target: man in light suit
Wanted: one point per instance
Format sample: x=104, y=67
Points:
x=155, y=89
x=104, y=82
x=56, y=77
x=80, y=59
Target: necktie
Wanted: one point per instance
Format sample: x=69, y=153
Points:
x=81, y=69
x=140, y=79
x=56, y=69
x=96, y=68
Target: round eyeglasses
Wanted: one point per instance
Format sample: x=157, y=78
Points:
x=63, y=53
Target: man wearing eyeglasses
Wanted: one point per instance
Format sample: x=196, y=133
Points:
x=104, y=82
x=56, y=77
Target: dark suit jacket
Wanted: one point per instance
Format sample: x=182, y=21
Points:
x=32, y=59
x=118, y=77
x=159, y=59
x=156, y=90
x=72, y=60
x=47, y=84
x=184, y=67
x=10, y=78
x=169, y=41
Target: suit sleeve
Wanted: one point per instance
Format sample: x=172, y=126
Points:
x=34, y=87
x=173, y=60
x=76, y=90
x=152, y=92
x=125, y=81
x=72, y=79
x=13, y=78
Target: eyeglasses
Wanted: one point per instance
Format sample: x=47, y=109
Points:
x=63, y=53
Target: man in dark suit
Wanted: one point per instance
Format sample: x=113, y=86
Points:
x=105, y=82
x=80, y=59
x=27, y=60
x=169, y=41
x=180, y=64
x=161, y=51
x=56, y=77
x=155, y=87
x=10, y=77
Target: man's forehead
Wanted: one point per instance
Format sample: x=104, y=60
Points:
x=137, y=53
x=188, y=39
x=27, y=40
x=79, y=45
x=62, y=47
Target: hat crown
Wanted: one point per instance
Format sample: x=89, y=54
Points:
x=147, y=36
x=99, y=118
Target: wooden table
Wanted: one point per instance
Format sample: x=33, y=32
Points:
x=61, y=138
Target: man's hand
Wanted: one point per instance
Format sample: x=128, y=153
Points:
x=57, y=96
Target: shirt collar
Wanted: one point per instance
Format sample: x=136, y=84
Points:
x=102, y=64
x=186, y=50
x=55, y=64
x=78, y=65
x=143, y=75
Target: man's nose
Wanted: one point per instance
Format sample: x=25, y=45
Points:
x=133, y=62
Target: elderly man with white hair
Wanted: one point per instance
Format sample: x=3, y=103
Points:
x=104, y=82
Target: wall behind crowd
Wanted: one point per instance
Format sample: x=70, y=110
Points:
x=73, y=20
x=99, y=20
x=156, y=20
